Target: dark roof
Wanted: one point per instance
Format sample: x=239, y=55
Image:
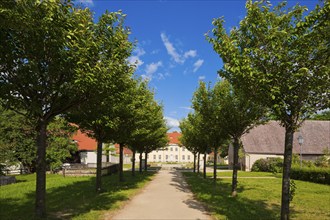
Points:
x=269, y=138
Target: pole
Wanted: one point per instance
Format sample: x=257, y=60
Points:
x=300, y=155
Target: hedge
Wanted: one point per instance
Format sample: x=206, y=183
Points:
x=315, y=174
x=273, y=165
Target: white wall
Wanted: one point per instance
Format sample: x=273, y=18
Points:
x=87, y=157
x=172, y=153
x=249, y=159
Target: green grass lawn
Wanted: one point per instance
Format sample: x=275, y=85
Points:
x=242, y=174
x=127, y=166
x=259, y=198
x=69, y=197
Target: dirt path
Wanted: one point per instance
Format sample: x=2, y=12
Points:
x=166, y=197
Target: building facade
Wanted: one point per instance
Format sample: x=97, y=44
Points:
x=174, y=152
x=267, y=141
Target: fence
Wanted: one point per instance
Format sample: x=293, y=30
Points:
x=89, y=169
x=15, y=171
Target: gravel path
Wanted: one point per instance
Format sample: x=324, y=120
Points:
x=166, y=197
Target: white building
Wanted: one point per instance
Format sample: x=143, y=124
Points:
x=173, y=152
x=266, y=141
x=87, y=150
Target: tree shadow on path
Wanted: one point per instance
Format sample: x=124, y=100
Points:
x=180, y=184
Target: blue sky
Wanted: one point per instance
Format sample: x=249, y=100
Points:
x=172, y=51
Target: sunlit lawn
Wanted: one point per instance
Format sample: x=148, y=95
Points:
x=259, y=198
x=69, y=197
x=242, y=174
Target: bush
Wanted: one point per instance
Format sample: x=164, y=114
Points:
x=314, y=174
x=260, y=166
x=323, y=161
x=273, y=165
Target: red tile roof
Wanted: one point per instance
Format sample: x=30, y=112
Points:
x=84, y=142
x=174, y=137
x=87, y=143
x=126, y=150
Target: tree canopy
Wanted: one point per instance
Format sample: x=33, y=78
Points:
x=52, y=58
x=17, y=141
x=280, y=57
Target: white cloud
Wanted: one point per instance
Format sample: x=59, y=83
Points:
x=176, y=56
x=172, y=122
x=151, y=69
x=88, y=3
x=186, y=108
x=201, y=77
x=135, y=58
x=198, y=64
x=139, y=51
x=170, y=49
x=190, y=53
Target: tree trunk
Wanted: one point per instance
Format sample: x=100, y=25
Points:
x=204, y=168
x=121, y=162
x=140, y=168
x=215, y=164
x=40, y=203
x=99, y=167
x=146, y=162
x=198, y=162
x=108, y=157
x=235, y=168
x=133, y=163
x=194, y=162
x=285, y=205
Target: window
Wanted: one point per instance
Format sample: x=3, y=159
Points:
x=183, y=157
x=183, y=149
x=159, y=157
x=176, y=149
x=171, y=148
x=154, y=157
x=176, y=157
x=188, y=157
x=166, y=157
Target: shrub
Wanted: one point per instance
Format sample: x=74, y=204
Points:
x=260, y=166
x=311, y=174
x=273, y=165
x=323, y=161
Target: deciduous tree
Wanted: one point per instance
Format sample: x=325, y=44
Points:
x=17, y=141
x=237, y=114
x=48, y=57
x=280, y=57
x=206, y=104
x=98, y=116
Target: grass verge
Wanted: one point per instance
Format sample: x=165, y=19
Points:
x=259, y=198
x=70, y=197
x=242, y=174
